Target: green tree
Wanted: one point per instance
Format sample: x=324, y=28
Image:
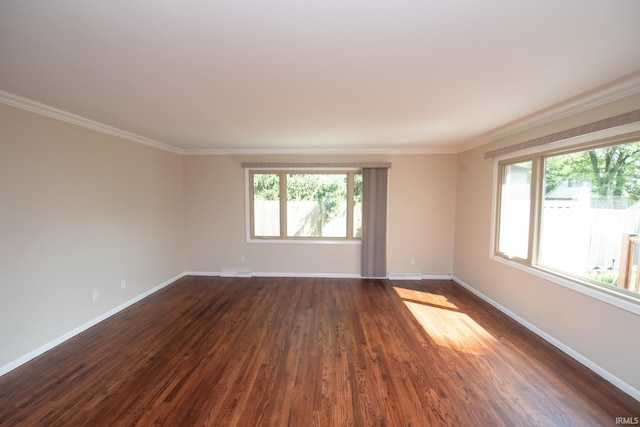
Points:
x=266, y=186
x=612, y=171
x=614, y=168
x=357, y=188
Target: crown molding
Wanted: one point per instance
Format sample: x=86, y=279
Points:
x=64, y=116
x=611, y=92
x=619, y=89
x=318, y=151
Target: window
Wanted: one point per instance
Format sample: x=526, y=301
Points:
x=515, y=209
x=305, y=205
x=575, y=213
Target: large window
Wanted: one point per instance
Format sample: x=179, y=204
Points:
x=574, y=213
x=306, y=205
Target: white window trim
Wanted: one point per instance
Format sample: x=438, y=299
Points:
x=601, y=293
x=306, y=241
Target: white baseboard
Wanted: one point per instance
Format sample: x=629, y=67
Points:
x=418, y=276
x=622, y=385
x=304, y=275
x=232, y=273
x=225, y=273
x=51, y=344
x=202, y=273
x=392, y=276
x=436, y=277
x=405, y=276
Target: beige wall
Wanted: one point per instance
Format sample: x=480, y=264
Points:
x=421, y=216
x=602, y=333
x=79, y=211
x=82, y=210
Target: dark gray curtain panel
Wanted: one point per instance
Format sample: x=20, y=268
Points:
x=374, y=223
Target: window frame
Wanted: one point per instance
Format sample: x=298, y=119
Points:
x=535, y=164
x=621, y=298
x=283, y=237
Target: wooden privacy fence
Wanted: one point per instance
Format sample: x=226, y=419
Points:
x=629, y=273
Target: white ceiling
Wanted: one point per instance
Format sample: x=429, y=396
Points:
x=314, y=75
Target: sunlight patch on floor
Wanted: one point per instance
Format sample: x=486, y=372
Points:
x=445, y=324
x=425, y=297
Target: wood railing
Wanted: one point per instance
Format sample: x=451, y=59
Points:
x=629, y=275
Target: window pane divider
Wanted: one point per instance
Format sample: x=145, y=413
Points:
x=537, y=194
x=283, y=205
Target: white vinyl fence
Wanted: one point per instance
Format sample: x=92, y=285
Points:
x=577, y=238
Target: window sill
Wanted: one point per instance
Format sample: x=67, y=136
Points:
x=611, y=297
x=305, y=241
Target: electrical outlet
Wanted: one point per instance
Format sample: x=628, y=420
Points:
x=412, y=261
x=242, y=258
x=96, y=295
x=123, y=284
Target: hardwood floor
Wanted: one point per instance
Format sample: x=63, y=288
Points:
x=301, y=352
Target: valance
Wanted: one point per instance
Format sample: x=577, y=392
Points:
x=611, y=122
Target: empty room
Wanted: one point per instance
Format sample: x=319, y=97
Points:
x=409, y=213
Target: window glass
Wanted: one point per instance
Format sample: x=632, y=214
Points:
x=316, y=205
x=357, y=205
x=515, y=209
x=590, y=205
x=266, y=204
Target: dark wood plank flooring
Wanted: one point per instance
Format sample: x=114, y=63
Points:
x=303, y=352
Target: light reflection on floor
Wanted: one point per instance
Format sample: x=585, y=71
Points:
x=445, y=323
